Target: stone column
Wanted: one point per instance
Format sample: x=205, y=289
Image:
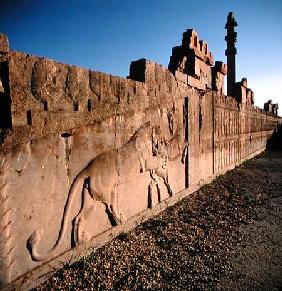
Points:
x=231, y=52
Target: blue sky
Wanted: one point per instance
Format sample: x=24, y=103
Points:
x=106, y=35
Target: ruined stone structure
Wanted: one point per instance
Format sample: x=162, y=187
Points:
x=86, y=155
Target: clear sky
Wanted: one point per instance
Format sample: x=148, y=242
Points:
x=106, y=35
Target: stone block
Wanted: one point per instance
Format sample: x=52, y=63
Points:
x=220, y=67
x=250, y=99
x=137, y=70
x=275, y=108
x=115, y=86
x=177, y=60
x=268, y=106
x=95, y=83
x=218, y=73
x=20, y=75
x=205, y=74
x=160, y=74
x=244, y=82
x=170, y=81
x=196, y=70
x=190, y=39
x=240, y=93
x=145, y=71
x=192, y=58
x=141, y=89
x=4, y=43
x=181, y=77
x=191, y=42
x=196, y=83
x=51, y=82
x=78, y=86
x=105, y=89
x=123, y=91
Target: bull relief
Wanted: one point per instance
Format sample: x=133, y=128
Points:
x=148, y=147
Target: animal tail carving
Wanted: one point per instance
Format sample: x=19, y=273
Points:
x=35, y=237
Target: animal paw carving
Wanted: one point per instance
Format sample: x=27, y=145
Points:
x=32, y=244
x=35, y=238
x=83, y=237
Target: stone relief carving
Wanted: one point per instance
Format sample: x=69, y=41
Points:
x=158, y=169
x=171, y=116
x=185, y=131
x=99, y=180
x=178, y=143
x=7, y=244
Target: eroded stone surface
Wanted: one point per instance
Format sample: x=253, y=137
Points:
x=4, y=43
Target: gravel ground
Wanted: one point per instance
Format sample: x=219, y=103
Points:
x=226, y=236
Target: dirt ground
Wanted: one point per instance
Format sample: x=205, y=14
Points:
x=226, y=236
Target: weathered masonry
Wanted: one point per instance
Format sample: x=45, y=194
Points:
x=86, y=155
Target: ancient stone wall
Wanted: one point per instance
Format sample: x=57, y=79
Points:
x=240, y=131
x=86, y=155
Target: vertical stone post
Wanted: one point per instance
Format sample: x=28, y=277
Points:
x=231, y=52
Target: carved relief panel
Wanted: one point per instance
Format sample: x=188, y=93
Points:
x=141, y=166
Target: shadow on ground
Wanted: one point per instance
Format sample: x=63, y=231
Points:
x=275, y=142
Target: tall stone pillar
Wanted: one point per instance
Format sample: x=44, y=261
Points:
x=231, y=52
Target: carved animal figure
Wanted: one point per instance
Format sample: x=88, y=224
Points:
x=158, y=169
x=146, y=149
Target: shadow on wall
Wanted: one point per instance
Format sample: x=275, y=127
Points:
x=275, y=142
